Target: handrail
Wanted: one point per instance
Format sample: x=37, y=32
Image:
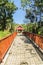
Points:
x=5, y=44
x=36, y=34
x=37, y=39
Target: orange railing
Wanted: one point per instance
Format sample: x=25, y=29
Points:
x=36, y=38
x=5, y=45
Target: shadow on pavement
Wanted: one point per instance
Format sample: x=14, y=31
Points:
x=37, y=49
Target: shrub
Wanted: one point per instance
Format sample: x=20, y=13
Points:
x=40, y=31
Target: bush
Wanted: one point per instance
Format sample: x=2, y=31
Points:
x=40, y=31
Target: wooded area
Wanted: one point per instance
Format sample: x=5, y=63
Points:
x=33, y=19
x=33, y=8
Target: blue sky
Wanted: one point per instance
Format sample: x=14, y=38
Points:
x=19, y=15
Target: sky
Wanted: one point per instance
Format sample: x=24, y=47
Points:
x=19, y=15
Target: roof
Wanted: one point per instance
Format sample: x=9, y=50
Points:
x=19, y=28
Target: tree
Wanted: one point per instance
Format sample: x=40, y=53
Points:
x=6, y=10
x=36, y=3
x=30, y=15
x=29, y=12
x=25, y=2
x=39, y=5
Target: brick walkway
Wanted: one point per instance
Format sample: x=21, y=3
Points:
x=22, y=53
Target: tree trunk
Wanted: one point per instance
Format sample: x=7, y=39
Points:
x=40, y=17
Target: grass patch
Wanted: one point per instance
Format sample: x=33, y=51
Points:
x=4, y=34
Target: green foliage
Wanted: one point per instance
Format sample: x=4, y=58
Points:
x=39, y=3
x=30, y=15
x=35, y=28
x=24, y=26
x=25, y=2
x=12, y=29
x=30, y=28
x=40, y=31
x=6, y=10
